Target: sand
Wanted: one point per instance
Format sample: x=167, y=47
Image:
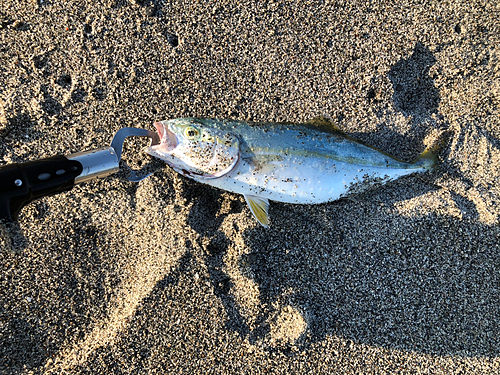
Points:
x=169, y=276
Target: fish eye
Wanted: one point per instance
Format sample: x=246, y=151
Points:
x=191, y=133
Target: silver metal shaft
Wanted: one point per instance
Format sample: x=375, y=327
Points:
x=100, y=162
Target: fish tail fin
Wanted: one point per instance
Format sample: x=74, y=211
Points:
x=430, y=157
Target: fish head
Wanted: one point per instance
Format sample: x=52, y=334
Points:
x=194, y=149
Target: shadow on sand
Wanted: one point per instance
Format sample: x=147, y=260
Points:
x=361, y=270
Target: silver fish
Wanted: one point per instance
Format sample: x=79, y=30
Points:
x=279, y=162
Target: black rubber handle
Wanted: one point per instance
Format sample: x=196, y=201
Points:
x=21, y=183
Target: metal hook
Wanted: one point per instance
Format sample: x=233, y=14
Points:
x=117, y=144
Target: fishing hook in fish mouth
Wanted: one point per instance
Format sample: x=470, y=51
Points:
x=166, y=136
x=117, y=145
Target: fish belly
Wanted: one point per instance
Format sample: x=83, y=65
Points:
x=305, y=180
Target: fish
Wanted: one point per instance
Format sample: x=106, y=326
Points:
x=310, y=163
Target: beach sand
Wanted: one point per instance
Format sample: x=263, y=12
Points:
x=170, y=276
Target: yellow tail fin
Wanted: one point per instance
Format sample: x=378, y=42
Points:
x=429, y=158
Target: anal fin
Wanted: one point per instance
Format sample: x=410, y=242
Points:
x=259, y=207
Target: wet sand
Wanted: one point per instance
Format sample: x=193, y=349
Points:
x=170, y=276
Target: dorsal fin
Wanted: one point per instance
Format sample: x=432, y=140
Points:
x=323, y=123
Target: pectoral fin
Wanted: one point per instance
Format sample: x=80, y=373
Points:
x=259, y=207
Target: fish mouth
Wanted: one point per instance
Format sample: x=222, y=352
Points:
x=168, y=139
